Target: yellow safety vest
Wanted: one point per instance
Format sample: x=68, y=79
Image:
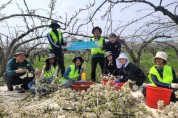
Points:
x=55, y=38
x=51, y=72
x=167, y=75
x=98, y=50
x=74, y=74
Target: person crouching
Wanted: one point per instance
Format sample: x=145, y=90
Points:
x=129, y=71
x=16, y=68
x=49, y=72
x=73, y=72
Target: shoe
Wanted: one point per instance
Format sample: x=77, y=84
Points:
x=10, y=89
x=24, y=87
x=21, y=90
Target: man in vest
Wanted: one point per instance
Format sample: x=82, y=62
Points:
x=162, y=75
x=97, y=53
x=55, y=39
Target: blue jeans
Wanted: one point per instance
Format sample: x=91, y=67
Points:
x=31, y=84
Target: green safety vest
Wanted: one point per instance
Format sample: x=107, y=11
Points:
x=55, y=38
x=51, y=72
x=98, y=50
x=74, y=74
x=167, y=75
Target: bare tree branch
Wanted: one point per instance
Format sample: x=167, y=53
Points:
x=4, y=5
x=34, y=15
x=90, y=19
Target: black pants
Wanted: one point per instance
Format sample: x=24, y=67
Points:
x=9, y=81
x=60, y=59
x=94, y=62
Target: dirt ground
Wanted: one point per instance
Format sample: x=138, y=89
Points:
x=10, y=97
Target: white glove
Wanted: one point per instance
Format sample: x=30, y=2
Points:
x=174, y=85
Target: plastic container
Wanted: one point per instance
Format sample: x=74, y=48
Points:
x=154, y=94
x=113, y=84
x=117, y=85
x=104, y=81
x=79, y=86
x=84, y=76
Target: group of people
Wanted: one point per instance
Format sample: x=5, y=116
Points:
x=107, y=54
x=111, y=61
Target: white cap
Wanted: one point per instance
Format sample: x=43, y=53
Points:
x=161, y=55
x=122, y=56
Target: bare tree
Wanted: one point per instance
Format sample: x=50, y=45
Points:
x=33, y=32
x=156, y=8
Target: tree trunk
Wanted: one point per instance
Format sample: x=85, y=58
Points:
x=130, y=51
x=39, y=57
x=3, y=66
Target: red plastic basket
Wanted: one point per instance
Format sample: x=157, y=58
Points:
x=104, y=81
x=79, y=86
x=117, y=85
x=153, y=94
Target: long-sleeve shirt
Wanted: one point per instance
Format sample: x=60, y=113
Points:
x=43, y=71
x=109, y=67
x=66, y=73
x=58, y=45
x=132, y=72
x=13, y=65
x=115, y=48
x=161, y=84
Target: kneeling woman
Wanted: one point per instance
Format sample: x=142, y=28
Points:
x=73, y=72
x=49, y=72
x=110, y=64
x=129, y=71
x=162, y=75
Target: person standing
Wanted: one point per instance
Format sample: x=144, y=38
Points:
x=113, y=45
x=97, y=53
x=56, y=41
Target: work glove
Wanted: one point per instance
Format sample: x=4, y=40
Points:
x=72, y=80
x=174, y=85
x=47, y=80
x=117, y=81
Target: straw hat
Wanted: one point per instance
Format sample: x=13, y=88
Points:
x=108, y=53
x=51, y=55
x=161, y=55
x=21, y=51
